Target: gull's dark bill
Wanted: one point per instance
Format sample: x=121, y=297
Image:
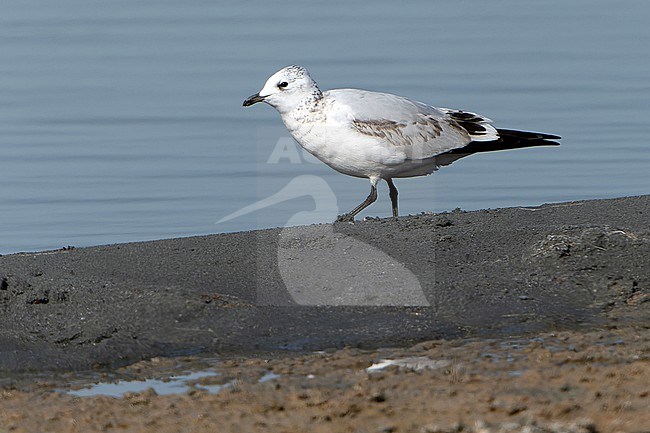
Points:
x=253, y=99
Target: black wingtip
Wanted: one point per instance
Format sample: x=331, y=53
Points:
x=527, y=135
x=509, y=139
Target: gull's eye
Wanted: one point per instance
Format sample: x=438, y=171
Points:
x=283, y=84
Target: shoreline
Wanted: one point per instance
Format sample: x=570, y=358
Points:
x=487, y=274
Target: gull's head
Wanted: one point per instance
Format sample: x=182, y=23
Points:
x=286, y=89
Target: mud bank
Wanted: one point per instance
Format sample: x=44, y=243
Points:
x=389, y=282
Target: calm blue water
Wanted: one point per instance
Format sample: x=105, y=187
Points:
x=122, y=120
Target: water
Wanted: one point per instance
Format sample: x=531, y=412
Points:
x=174, y=385
x=179, y=384
x=122, y=120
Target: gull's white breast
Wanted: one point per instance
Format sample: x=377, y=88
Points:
x=329, y=135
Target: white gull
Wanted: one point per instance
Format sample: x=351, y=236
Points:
x=380, y=135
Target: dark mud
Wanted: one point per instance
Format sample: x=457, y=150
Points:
x=490, y=273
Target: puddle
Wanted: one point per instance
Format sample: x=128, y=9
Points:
x=268, y=376
x=174, y=385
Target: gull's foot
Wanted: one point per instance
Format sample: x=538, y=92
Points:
x=345, y=218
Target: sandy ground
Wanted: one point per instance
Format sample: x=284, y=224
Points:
x=597, y=381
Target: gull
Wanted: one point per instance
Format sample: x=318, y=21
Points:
x=380, y=135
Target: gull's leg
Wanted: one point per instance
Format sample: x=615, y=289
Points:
x=393, y=196
x=348, y=217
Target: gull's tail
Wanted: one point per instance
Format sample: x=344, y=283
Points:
x=509, y=139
